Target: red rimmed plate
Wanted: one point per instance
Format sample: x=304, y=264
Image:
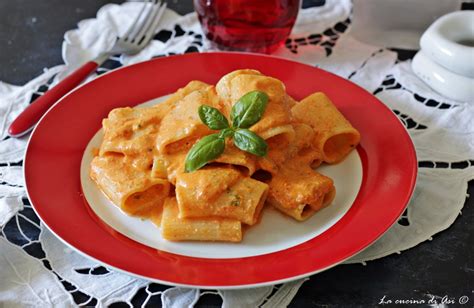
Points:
x=56, y=148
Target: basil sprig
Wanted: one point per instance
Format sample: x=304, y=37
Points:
x=248, y=141
x=249, y=109
x=212, y=117
x=246, y=112
x=208, y=148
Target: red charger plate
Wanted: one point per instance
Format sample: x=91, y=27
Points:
x=54, y=153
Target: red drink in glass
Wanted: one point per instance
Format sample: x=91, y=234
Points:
x=248, y=25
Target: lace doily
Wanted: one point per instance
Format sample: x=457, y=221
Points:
x=38, y=270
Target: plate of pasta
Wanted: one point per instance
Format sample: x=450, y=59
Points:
x=219, y=170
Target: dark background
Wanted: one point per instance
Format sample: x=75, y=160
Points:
x=31, y=34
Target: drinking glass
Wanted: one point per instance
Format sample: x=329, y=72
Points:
x=247, y=25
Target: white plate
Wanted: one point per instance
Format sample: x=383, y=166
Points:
x=273, y=233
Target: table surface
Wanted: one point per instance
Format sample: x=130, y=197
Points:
x=31, y=37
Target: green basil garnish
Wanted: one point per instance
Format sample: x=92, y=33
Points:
x=246, y=112
x=206, y=149
x=249, y=109
x=212, y=117
x=249, y=141
x=226, y=132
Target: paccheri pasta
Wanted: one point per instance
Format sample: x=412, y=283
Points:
x=141, y=162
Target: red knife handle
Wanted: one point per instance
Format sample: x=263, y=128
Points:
x=31, y=115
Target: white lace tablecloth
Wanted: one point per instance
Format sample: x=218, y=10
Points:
x=36, y=269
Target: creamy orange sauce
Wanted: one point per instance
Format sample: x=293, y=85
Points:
x=95, y=151
x=174, y=164
x=334, y=135
x=144, y=202
x=131, y=131
x=245, y=162
x=140, y=164
x=295, y=186
x=220, y=191
x=206, y=185
x=155, y=215
x=182, y=126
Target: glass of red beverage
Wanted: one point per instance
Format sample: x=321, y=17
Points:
x=247, y=25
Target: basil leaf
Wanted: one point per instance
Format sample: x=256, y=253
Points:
x=249, y=109
x=208, y=148
x=249, y=141
x=212, y=117
x=226, y=132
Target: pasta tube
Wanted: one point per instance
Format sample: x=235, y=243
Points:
x=192, y=86
x=221, y=192
x=181, y=128
x=127, y=185
x=334, y=137
x=275, y=125
x=131, y=131
x=300, y=192
x=174, y=228
x=241, y=160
